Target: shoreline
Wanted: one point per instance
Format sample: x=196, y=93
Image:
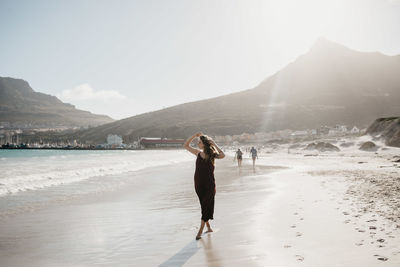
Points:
x=83, y=148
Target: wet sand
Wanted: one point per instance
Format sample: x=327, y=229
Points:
x=144, y=223
x=293, y=210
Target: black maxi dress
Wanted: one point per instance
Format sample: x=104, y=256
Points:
x=204, y=183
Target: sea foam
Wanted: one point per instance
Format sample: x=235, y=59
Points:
x=31, y=170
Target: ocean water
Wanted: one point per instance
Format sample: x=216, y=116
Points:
x=27, y=170
x=31, y=179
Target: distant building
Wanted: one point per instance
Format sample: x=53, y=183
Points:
x=135, y=145
x=341, y=128
x=157, y=142
x=299, y=133
x=355, y=130
x=114, y=140
x=323, y=130
x=333, y=132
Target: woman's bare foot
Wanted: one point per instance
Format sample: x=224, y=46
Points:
x=209, y=230
x=198, y=236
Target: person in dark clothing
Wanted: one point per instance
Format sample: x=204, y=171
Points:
x=238, y=157
x=253, y=153
x=204, y=181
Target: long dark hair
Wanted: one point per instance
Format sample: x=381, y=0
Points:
x=210, y=151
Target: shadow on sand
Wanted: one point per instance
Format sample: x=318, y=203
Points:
x=182, y=256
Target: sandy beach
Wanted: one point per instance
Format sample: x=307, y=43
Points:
x=118, y=119
x=298, y=209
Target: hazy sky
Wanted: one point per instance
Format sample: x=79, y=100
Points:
x=122, y=58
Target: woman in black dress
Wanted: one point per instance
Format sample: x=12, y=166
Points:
x=204, y=181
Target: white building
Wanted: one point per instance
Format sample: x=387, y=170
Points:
x=113, y=139
x=299, y=133
x=333, y=132
x=341, y=128
x=355, y=130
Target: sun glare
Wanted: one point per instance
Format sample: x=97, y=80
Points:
x=302, y=21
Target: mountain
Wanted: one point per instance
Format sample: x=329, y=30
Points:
x=21, y=105
x=388, y=129
x=329, y=85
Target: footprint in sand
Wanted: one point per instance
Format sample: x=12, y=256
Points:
x=298, y=234
x=381, y=258
x=287, y=246
x=293, y=226
x=299, y=258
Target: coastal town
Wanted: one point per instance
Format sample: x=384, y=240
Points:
x=17, y=138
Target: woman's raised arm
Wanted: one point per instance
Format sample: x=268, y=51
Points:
x=187, y=146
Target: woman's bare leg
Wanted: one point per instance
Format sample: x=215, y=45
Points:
x=209, y=230
x=198, y=236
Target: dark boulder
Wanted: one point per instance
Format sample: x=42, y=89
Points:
x=322, y=147
x=369, y=146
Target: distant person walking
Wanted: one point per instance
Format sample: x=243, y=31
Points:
x=253, y=153
x=204, y=181
x=238, y=157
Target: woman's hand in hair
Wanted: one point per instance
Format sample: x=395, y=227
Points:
x=199, y=134
x=212, y=142
x=221, y=153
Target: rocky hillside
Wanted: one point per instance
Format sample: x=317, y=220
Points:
x=21, y=105
x=388, y=129
x=329, y=85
